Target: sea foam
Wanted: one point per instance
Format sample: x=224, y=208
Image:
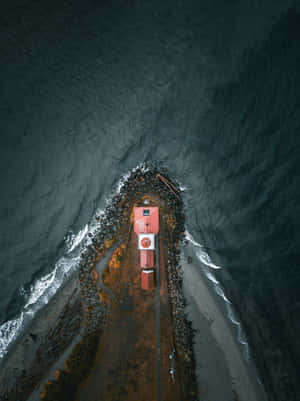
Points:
x=207, y=262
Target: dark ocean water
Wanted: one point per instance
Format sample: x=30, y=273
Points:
x=211, y=89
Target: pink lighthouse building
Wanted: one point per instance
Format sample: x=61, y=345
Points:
x=146, y=226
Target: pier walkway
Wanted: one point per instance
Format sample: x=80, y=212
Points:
x=132, y=361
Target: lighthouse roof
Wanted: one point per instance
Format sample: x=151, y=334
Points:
x=146, y=220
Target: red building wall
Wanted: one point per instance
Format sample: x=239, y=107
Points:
x=147, y=279
x=146, y=224
x=146, y=259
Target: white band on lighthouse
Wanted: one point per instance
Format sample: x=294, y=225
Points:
x=146, y=242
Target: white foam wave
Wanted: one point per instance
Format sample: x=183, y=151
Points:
x=210, y=276
x=202, y=255
x=124, y=178
x=240, y=334
x=8, y=332
x=205, y=259
x=122, y=181
x=77, y=239
x=219, y=290
x=47, y=285
x=39, y=288
x=40, y=293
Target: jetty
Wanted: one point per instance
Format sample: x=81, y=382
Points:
x=122, y=333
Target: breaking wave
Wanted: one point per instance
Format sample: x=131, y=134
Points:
x=206, y=262
x=40, y=293
x=202, y=255
x=74, y=240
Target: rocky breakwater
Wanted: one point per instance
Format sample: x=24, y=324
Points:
x=183, y=331
x=82, y=310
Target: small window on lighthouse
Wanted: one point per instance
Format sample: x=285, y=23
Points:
x=146, y=212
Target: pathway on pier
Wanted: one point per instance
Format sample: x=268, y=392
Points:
x=132, y=359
